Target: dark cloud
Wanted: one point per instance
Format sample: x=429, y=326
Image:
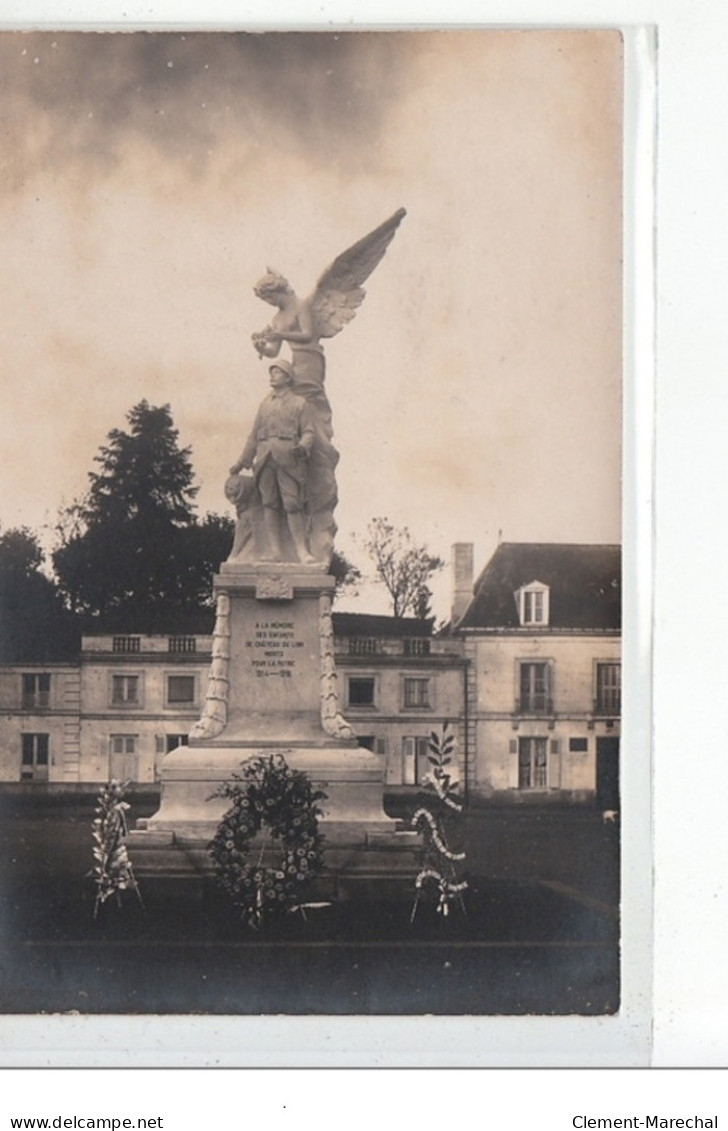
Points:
x=74, y=96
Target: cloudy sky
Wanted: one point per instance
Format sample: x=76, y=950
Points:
x=149, y=179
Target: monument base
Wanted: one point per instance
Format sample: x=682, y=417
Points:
x=272, y=690
x=351, y=777
x=170, y=865
x=362, y=845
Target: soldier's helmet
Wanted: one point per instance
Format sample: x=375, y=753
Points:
x=285, y=367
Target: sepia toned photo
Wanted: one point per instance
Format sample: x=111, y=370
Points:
x=311, y=523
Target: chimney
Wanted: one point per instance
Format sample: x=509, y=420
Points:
x=462, y=578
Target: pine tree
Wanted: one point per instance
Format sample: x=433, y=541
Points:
x=144, y=476
x=135, y=545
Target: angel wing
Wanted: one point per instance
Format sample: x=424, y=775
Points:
x=339, y=291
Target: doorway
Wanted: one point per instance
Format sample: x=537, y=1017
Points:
x=608, y=772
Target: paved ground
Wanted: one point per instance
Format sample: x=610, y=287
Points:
x=541, y=934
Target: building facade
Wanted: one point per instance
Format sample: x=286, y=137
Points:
x=114, y=713
x=131, y=698
x=541, y=634
x=140, y=697
x=528, y=674
x=40, y=711
x=398, y=683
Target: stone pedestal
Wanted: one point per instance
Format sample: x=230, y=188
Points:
x=272, y=688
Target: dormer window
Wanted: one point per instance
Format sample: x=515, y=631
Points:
x=533, y=604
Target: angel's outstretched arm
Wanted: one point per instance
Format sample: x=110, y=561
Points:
x=305, y=333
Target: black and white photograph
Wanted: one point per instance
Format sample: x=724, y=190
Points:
x=311, y=523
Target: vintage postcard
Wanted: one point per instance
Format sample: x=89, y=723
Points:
x=312, y=413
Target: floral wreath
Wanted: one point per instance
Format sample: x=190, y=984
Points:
x=267, y=848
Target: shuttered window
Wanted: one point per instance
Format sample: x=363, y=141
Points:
x=609, y=688
x=534, y=687
x=180, y=689
x=36, y=689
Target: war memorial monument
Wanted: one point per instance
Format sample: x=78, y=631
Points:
x=272, y=685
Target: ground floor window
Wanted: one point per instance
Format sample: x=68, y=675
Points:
x=372, y=742
x=124, y=757
x=415, y=765
x=172, y=741
x=532, y=763
x=166, y=743
x=34, y=758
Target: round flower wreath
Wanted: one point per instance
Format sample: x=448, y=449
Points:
x=275, y=807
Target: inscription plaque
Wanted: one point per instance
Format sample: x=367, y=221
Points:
x=274, y=649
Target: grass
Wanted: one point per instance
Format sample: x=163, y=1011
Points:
x=541, y=934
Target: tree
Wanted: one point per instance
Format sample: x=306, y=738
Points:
x=345, y=573
x=21, y=555
x=207, y=543
x=144, y=472
x=34, y=625
x=134, y=543
x=403, y=567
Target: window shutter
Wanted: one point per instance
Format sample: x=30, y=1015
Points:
x=392, y=766
x=513, y=763
x=105, y=756
x=409, y=761
x=160, y=743
x=554, y=764
x=422, y=749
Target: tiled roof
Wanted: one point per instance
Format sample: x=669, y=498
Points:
x=368, y=624
x=179, y=622
x=584, y=583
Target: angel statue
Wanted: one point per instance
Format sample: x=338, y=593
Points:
x=302, y=323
